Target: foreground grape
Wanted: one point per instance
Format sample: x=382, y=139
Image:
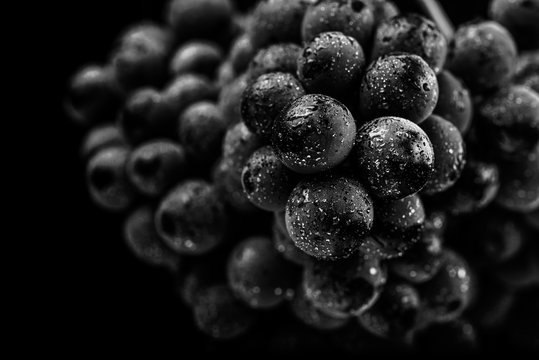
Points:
x=394, y=157
x=326, y=175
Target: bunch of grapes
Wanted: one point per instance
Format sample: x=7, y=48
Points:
x=370, y=174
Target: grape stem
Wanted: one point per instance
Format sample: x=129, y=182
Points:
x=436, y=12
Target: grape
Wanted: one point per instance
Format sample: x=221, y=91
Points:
x=197, y=57
x=230, y=99
x=331, y=64
x=509, y=121
x=395, y=314
x=315, y=133
x=200, y=19
x=449, y=292
x=94, y=95
x=259, y=276
x=107, y=180
x=266, y=181
x=140, y=58
x=220, y=315
x=398, y=224
x=242, y=52
x=280, y=57
x=142, y=239
x=449, y=153
x=140, y=119
x=353, y=18
x=454, y=101
x=328, y=217
x=394, y=157
x=519, y=184
x=414, y=34
x=398, y=84
x=202, y=127
x=155, y=166
x=265, y=98
x=285, y=245
x=346, y=287
x=101, y=137
x=474, y=190
x=483, y=54
x=308, y=313
x=382, y=10
x=191, y=218
x=520, y=18
x=422, y=261
x=276, y=21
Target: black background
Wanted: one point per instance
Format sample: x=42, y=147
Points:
x=98, y=295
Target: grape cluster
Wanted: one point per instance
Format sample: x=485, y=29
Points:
x=337, y=161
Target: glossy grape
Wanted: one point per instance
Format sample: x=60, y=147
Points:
x=394, y=157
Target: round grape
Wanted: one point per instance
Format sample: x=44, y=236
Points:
x=315, y=133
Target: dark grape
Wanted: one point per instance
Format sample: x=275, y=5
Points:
x=155, y=166
x=414, y=34
x=483, y=54
x=454, y=101
x=184, y=91
x=353, y=18
x=520, y=18
x=449, y=153
x=509, y=122
x=140, y=119
x=382, y=10
x=331, y=64
x=142, y=239
x=449, y=292
x=197, y=57
x=266, y=181
x=519, y=184
x=276, y=21
x=315, y=133
x=238, y=145
x=242, y=52
x=199, y=19
x=346, y=287
x=191, y=218
x=328, y=217
x=258, y=274
x=230, y=99
x=265, y=98
x=304, y=309
x=220, y=315
x=285, y=245
x=394, y=157
x=474, y=190
x=107, y=180
x=140, y=58
x=202, y=128
x=94, y=96
x=101, y=137
x=422, y=261
x=395, y=314
x=398, y=224
x=275, y=58
x=400, y=85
